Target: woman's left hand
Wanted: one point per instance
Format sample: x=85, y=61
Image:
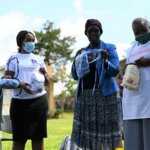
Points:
x=7, y=77
x=104, y=54
x=47, y=78
x=25, y=86
x=42, y=70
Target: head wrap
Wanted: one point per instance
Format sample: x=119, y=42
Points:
x=91, y=22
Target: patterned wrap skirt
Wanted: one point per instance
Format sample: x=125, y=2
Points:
x=97, y=121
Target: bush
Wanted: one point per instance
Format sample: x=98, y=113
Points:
x=56, y=115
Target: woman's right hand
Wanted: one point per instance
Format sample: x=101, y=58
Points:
x=7, y=77
x=25, y=86
x=104, y=54
x=79, y=52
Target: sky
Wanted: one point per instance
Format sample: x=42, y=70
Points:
x=70, y=16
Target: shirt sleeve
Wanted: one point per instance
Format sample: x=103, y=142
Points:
x=42, y=63
x=10, y=65
x=73, y=71
x=112, y=61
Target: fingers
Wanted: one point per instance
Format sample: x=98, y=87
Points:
x=7, y=76
x=104, y=54
x=26, y=84
x=25, y=87
x=140, y=61
x=28, y=90
x=42, y=70
x=22, y=85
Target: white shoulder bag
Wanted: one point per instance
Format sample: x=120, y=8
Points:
x=131, y=77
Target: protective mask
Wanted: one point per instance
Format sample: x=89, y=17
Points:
x=144, y=38
x=29, y=46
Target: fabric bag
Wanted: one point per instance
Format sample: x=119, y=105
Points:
x=131, y=77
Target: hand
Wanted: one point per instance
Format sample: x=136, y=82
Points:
x=47, y=78
x=104, y=54
x=79, y=52
x=42, y=70
x=142, y=62
x=7, y=77
x=25, y=86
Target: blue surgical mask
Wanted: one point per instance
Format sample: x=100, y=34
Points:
x=29, y=46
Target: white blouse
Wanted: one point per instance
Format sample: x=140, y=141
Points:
x=26, y=66
x=136, y=104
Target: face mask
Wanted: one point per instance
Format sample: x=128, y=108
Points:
x=29, y=46
x=144, y=38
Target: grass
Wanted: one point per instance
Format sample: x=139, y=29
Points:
x=57, y=129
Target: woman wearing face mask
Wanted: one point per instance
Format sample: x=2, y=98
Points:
x=136, y=103
x=28, y=110
x=97, y=111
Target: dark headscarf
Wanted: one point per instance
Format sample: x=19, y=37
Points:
x=91, y=22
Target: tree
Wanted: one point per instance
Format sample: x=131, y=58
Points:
x=69, y=83
x=56, y=50
x=65, y=98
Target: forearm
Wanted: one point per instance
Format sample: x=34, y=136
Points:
x=145, y=63
x=46, y=76
x=47, y=79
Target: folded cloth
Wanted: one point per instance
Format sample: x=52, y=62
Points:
x=35, y=85
x=83, y=60
x=9, y=83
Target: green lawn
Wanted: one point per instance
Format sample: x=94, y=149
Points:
x=57, y=129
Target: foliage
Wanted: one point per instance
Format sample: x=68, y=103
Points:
x=56, y=50
x=71, y=86
x=66, y=79
x=57, y=114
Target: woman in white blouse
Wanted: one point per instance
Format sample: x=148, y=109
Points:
x=136, y=103
x=28, y=110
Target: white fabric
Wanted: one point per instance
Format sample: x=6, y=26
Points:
x=136, y=104
x=25, y=67
x=131, y=77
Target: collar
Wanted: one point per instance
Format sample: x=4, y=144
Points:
x=102, y=45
